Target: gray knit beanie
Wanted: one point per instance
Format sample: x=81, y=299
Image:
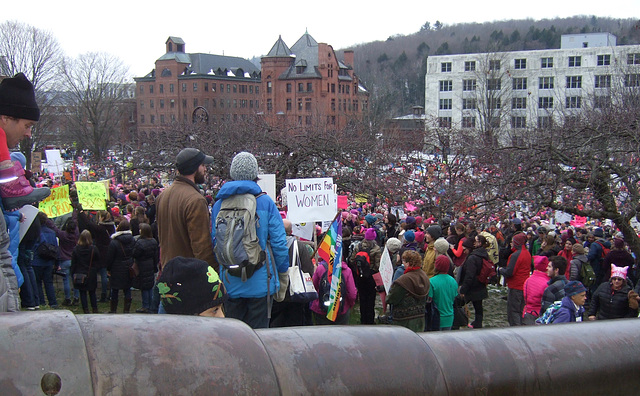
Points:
x=244, y=167
x=394, y=244
x=441, y=245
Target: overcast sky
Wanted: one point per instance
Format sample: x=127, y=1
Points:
x=136, y=30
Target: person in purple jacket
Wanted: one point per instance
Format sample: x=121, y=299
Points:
x=572, y=308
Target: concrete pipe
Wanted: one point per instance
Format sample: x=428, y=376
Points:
x=58, y=353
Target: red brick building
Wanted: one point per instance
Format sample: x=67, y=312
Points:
x=307, y=85
x=183, y=87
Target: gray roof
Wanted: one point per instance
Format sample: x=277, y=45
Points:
x=306, y=53
x=219, y=65
x=180, y=57
x=175, y=39
x=279, y=49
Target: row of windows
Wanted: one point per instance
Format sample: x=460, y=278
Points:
x=545, y=63
x=242, y=103
x=517, y=122
x=236, y=88
x=521, y=83
x=544, y=102
x=172, y=118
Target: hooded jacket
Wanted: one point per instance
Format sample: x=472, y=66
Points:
x=408, y=295
x=270, y=229
x=120, y=258
x=470, y=286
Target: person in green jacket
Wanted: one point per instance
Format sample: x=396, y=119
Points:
x=408, y=294
x=444, y=290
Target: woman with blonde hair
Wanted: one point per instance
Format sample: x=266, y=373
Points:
x=84, y=263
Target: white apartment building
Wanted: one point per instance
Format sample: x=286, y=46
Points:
x=529, y=89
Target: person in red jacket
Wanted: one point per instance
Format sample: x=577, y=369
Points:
x=516, y=273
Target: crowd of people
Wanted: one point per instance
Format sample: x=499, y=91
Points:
x=190, y=250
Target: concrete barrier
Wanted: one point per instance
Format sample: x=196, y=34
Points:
x=57, y=352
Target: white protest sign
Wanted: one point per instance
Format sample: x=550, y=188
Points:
x=562, y=217
x=398, y=211
x=311, y=200
x=283, y=194
x=268, y=184
x=55, y=164
x=386, y=269
x=29, y=213
x=304, y=230
x=326, y=225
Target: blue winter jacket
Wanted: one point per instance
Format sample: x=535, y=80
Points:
x=46, y=235
x=567, y=312
x=13, y=228
x=270, y=228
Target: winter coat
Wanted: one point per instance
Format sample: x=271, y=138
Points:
x=271, y=229
x=595, y=255
x=609, y=304
x=183, y=223
x=145, y=254
x=470, y=286
x=83, y=261
x=408, y=296
x=49, y=236
x=554, y=292
x=101, y=234
x=67, y=241
x=518, y=268
x=12, y=220
x=567, y=312
x=534, y=287
x=619, y=257
x=375, y=253
x=429, y=260
x=348, y=298
x=119, y=259
x=576, y=267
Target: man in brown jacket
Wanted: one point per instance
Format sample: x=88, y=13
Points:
x=182, y=212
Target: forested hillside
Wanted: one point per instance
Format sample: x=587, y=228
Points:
x=394, y=70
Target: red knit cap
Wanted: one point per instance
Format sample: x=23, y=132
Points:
x=442, y=264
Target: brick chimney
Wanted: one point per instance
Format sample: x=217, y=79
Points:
x=348, y=57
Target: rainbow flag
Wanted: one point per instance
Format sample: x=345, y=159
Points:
x=330, y=250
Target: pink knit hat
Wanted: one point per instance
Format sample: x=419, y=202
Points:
x=619, y=272
x=370, y=234
x=540, y=263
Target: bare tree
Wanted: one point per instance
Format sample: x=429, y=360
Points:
x=96, y=94
x=37, y=54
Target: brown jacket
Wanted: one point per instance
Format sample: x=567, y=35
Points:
x=184, y=225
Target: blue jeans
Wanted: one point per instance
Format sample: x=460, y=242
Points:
x=65, y=265
x=146, y=299
x=29, y=289
x=45, y=275
x=252, y=311
x=104, y=281
x=155, y=298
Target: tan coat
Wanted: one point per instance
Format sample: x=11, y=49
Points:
x=429, y=261
x=184, y=223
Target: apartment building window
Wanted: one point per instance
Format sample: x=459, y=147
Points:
x=446, y=85
x=251, y=89
x=333, y=105
x=184, y=87
x=544, y=122
x=574, y=81
x=141, y=104
x=195, y=103
x=603, y=81
x=604, y=60
x=206, y=87
x=173, y=118
x=172, y=104
x=307, y=120
x=445, y=67
x=545, y=83
x=310, y=87
x=288, y=88
x=519, y=83
x=545, y=102
x=632, y=80
x=289, y=105
x=601, y=102
x=171, y=88
x=520, y=64
x=468, y=122
x=495, y=103
x=161, y=88
x=142, y=118
x=213, y=87
x=269, y=87
x=152, y=119
x=184, y=103
x=213, y=103
x=235, y=103
x=269, y=105
x=228, y=89
x=633, y=59
x=575, y=61
x=195, y=87
x=222, y=104
x=162, y=103
x=546, y=63
x=235, y=88
x=573, y=102
x=257, y=92
x=494, y=65
x=444, y=122
x=468, y=85
x=446, y=104
x=518, y=122
x=519, y=103
x=141, y=89
x=151, y=103
x=162, y=119
x=299, y=104
x=150, y=88
x=469, y=66
x=468, y=104
x=333, y=88
x=307, y=104
x=300, y=87
x=494, y=84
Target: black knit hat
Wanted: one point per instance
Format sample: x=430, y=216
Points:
x=18, y=98
x=189, y=286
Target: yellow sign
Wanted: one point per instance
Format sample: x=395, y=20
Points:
x=92, y=196
x=57, y=204
x=361, y=198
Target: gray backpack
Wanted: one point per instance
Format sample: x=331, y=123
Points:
x=237, y=248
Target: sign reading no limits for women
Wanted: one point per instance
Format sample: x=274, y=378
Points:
x=311, y=199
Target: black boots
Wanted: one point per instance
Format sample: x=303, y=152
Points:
x=114, y=306
x=127, y=305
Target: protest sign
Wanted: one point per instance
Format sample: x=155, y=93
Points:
x=304, y=230
x=386, y=269
x=55, y=164
x=361, y=198
x=343, y=203
x=57, y=204
x=311, y=200
x=398, y=211
x=268, y=184
x=29, y=212
x=92, y=196
x=562, y=217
